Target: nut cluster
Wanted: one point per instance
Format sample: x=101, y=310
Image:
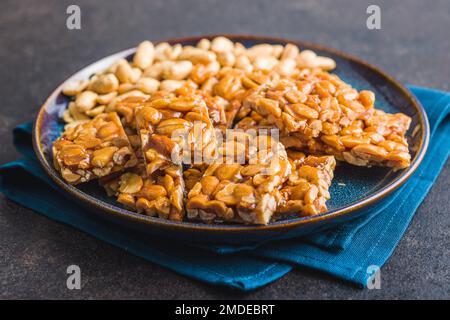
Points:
x=93, y=149
x=172, y=126
x=124, y=125
x=306, y=189
x=241, y=192
x=320, y=113
x=160, y=194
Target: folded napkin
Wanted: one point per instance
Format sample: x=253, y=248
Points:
x=345, y=251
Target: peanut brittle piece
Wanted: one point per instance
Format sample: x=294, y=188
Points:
x=93, y=149
x=321, y=114
x=306, y=190
x=175, y=130
x=160, y=194
x=240, y=191
x=379, y=140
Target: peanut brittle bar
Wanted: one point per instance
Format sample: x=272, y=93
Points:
x=321, y=114
x=221, y=112
x=247, y=192
x=376, y=141
x=306, y=190
x=175, y=129
x=93, y=149
x=160, y=194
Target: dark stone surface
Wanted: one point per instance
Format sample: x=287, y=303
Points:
x=37, y=52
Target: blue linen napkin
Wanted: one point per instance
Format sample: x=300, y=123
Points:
x=345, y=251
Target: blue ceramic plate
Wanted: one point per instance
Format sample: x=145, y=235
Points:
x=353, y=188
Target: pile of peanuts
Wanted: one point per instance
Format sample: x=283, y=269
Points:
x=211, y=66
x=224, y=84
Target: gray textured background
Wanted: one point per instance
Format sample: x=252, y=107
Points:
x=37, y=52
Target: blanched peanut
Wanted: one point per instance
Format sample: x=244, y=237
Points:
x=106, y=98
x=86, y=100
x=290, y=52
x=325, y=63
x=74, y=87
x=113, y=67
x=164, y=51
x=243, y=62
x=147, y=85
x=171, y=85
x=239, y=49
x=104, y=83
x=221, y=44
x=74, y=124
x=196, y=55
x=126, y=74
x=277, y=50
x=178, y=71
x=144, y=55
x=204, y=44
x=309, y=59
x=286, y=67
x=226, y=58
x=95, y=111
x=137, y=73
x=125, y=87
x=158, y=69
x=75, y=113
x=265, y=63
x=67, y=117
x=260, y=50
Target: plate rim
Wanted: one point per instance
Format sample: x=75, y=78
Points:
x=230, y=228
